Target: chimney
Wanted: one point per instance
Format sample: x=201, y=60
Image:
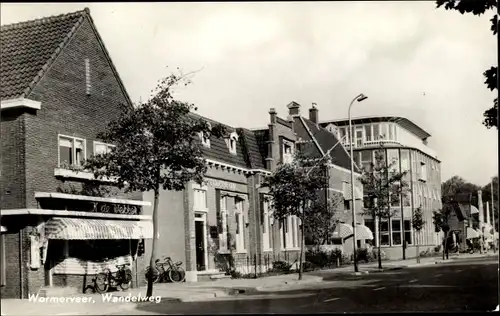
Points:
x=272, y=113
x=480, y=207
x=293, y=108
x=313, y=114
x=488, y=213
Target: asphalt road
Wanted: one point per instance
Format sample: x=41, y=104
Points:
x=460, y=285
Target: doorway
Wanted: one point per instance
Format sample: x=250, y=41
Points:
x=200, y=242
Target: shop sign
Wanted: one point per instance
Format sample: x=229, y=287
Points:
x=222, y=184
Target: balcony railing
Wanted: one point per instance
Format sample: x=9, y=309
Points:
x=371, y=143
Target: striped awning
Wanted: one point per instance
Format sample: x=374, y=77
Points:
x=84, y=229
x=3, y=229
x=472, y=233
x=344, y=230
x=474, y=210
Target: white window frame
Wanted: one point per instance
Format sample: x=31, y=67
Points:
x=108, y=146
x=73, y=139
x=223, y=246
x=232, y=142
x=267, y=244
x=359, y=128
x=240, y=232
x=288, y=157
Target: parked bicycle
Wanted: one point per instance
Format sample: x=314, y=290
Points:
x=122, y=278
x=166, y=270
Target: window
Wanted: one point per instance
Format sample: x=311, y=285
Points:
x=200, y=200
x=366, y=160
x=371, y=225
x=395, y=132
x=267, y=227
x=376, y=131
x=383, y=131
x=71, y=151
x=384, y=233
x=87, y=76
x=396, y=232
x=423, y=171
x=391, y=131
x=342, y=132
x=291, y=232
x=102, y=148
x=223, y=213
x=347, y=205
x=408, y=235
x=359, y=136
x=240, y=226
x=231, y=142
x=393, y=159
x=368, y=133
x=287, y=152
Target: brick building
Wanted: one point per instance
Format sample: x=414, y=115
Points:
x=59, y=88
x=228, y=215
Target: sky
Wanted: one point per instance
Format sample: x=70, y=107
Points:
x=408, y=57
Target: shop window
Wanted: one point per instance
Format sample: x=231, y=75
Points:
x=71, y=151
x=240, y=226
x=384, y=233
x=2, y=261
x=408, y=234
x=223, y=246
x=396, y=232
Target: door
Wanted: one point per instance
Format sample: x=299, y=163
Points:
x=200, y=245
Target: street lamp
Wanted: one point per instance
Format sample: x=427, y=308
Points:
x=358, y=98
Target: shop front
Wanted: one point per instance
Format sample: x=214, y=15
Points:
x=64, y=247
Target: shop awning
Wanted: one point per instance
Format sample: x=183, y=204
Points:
x=84, y=229
x=471, y=233
x=3, y=229
x=474, y=210
x=344, y=230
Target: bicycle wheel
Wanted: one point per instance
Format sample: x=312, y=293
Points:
x=176, y=275
x=101, y=283
x=126, y=280
x=154, y=272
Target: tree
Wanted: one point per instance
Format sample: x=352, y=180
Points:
x=294, y=190
x=487, y=198
x=478, y=7
x=156, y=147
x=418, y=222
x=456, y=185
x=322, y=220
x=441, y=219
x=382, y=185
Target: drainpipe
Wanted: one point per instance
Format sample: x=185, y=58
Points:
x=21, y=270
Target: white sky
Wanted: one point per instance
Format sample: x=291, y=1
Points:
x=255, y=56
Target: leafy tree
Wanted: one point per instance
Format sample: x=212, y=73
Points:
x=322, y=219
x=478, y=7
x=487, y=198
x=441, y=220
x=156, y=148
x=294, y=189
x=456, y=185
x=382, y=185
x=418, y=222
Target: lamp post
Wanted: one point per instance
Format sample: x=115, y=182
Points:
x=358, y=98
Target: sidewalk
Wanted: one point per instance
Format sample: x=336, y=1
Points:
x=97, y=304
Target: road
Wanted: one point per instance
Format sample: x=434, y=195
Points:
x=460, y=285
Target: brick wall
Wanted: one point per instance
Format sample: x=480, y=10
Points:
x=67, y=109
x=12, y=172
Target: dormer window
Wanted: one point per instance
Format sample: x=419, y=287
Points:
x=205, y=137
x=231, y=142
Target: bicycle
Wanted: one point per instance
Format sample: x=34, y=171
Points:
x=122, y=278
x=174, y=272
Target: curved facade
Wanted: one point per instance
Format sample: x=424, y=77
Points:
x=405, y=144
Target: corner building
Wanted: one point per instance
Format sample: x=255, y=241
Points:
x=406, y=144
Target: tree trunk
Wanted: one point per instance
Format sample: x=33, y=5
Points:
x=379, y=241
x=149, y=291
x=418, y=247
x=301, y=248
x=445, y=245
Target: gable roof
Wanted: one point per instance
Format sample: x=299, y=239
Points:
x=252, y=149
x=29, y=48
x=326, y=141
